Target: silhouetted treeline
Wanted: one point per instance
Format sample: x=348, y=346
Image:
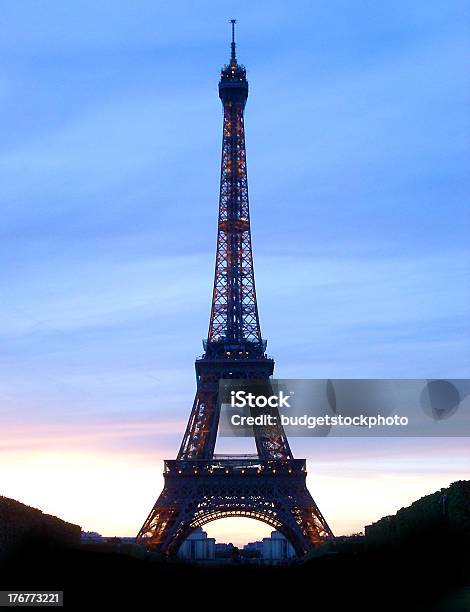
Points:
x=23, y=528
x=441, y=516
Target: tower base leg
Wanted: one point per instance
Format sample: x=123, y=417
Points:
x=198, y=492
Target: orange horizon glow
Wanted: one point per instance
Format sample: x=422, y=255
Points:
x=82, y=475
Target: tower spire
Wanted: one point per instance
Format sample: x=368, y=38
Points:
x=233, y=57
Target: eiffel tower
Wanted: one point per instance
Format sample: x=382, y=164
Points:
x=200, y=486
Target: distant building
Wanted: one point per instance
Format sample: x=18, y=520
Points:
x=223, y=550
x=91, y=537
x=273, y=550
x=197, y=547
x=127, y=539
x=277, y=549
x=254, y=549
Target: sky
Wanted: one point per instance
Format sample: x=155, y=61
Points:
x=357, y=144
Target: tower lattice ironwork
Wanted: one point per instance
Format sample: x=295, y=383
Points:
x=200, y=486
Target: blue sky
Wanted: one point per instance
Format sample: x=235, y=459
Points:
x=357, y=133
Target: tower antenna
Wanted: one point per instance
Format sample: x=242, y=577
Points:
x=233, y=57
